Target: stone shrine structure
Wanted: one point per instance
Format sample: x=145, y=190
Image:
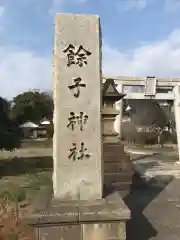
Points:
x=77, y=209
x=118, y=170
x=110, y=96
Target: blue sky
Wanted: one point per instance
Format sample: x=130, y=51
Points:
x=140, y=37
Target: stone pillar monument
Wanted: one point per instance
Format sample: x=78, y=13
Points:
x=177, y=115
x=120, y=105
x=77, y=208
x=77, y=106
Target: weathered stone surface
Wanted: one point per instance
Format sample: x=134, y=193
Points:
x=104, y=231
x=54, y=214
x=60, y=232
x=110, y=208
x=118, y=168
x=117, y=177
x=77, y=176
x=91, y=231
x=97, y=219
x=113, y=167
x=48, y=233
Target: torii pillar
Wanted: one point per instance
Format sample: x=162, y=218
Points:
x=177, y=115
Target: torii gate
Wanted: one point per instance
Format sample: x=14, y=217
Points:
x=151, y=84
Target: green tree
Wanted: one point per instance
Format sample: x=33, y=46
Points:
x=9, y=132
x=32, y=106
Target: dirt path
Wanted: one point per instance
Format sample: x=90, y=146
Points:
x=26, y=152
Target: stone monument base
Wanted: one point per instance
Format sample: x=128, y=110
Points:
x=103, y=219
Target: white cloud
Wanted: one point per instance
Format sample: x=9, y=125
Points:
x=159, y=58
x=21, y=71
x=2, y=9
x=126, y=5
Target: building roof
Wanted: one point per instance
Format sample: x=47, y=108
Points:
x=29, y=125
x=45, y=122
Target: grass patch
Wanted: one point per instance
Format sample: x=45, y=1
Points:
x=37, y=143
x=15, y=200
x=12, y=193
x=14, y=189
x=37, y=180
x=22, y=176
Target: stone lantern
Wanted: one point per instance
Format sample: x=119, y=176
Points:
x=117, y=164
x=118, y=169
x=109, y=112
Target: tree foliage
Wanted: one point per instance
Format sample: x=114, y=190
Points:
x=32, y=106
x=9, y=132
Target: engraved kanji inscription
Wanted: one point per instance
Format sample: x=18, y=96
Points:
x=75, y=119
x=78, y=154
x=76, y=57
x=76, y=86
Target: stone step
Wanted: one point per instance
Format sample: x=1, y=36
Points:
x=116, y=152
x=122, y=186
x=118, y=167
x=117, y=177
x=116, y=158
x=112, y=148
x=114, y=167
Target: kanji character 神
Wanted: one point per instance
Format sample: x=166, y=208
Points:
x=74, y=119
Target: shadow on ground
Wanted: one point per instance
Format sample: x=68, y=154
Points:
x=16, y=166
x=142, y=194
x=135, y=157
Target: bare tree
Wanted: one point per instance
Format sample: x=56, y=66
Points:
x=146, y=114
